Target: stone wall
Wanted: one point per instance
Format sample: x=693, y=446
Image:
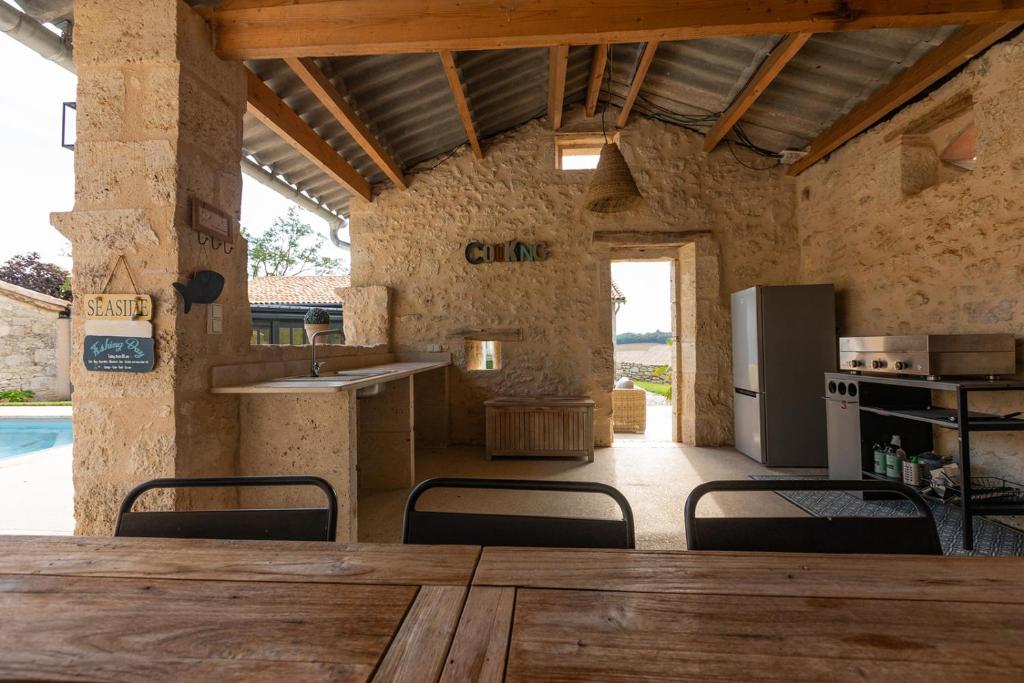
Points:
x=554, y=317
x=659, y=374
x=948, y=259
x=28, y=348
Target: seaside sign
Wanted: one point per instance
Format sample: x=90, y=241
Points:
x=119, y=354
x=118, y=307
x=512, y=251
x=118, y=331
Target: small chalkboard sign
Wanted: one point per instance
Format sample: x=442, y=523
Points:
x=119, y=354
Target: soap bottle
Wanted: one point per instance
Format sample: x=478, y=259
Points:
x=879, y=453
x=894, y=457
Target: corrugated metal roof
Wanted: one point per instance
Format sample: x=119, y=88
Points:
x=407, y=103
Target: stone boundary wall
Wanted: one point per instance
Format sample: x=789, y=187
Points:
x=643, y=372
x=28, y=349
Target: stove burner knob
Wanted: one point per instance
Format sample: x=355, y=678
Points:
x=855, y=363
x=902, y=365
x=877, y=364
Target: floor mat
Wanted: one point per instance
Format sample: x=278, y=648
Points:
x=990, y=538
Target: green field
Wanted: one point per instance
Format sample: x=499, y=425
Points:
x=660, y=389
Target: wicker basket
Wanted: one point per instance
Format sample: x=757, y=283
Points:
x=629, y=409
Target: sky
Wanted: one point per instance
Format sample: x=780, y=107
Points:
x=647, y=288
x=37, y=174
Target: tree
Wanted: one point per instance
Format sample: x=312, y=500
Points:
x=289, y=247
x=31, y=272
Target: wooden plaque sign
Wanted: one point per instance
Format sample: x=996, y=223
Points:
x=211, y=221
x=118, y=307
x=119, y=354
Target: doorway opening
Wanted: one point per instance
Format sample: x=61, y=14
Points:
x=645, y=340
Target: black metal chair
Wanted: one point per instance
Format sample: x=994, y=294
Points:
x=424, y=527
x=914, y=535
x=288, y=524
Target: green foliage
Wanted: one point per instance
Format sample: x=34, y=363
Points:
x=289, y=247
x=660, y=371
x=658, y=337
x=317, y=316
x=16, y=396
x=661, y=389
x=31, y=272
x=37, y=403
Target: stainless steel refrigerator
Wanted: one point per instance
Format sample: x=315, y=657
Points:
x=783, y=341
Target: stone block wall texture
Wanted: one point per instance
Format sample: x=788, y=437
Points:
x=945, y=259
x=367, y=315
x=660, y=374
x=413, y=242
x=28, y=342
x=159, y=122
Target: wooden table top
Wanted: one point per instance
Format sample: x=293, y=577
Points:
x=125, y=609
x=584, y=615
x=134, y=608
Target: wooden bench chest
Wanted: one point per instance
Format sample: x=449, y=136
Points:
x=552, y=426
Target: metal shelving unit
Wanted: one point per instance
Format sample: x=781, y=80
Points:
x=964, y=422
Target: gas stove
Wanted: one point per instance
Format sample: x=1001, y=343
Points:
x=930, y=355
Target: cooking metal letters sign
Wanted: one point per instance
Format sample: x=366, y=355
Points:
x=119, y=354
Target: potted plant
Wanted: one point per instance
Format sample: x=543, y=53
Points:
x=317, y=320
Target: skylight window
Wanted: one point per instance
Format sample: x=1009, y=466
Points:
x=578, y=151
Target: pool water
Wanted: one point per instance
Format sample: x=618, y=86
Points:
x=18, y=437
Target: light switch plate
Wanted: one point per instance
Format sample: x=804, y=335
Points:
x=215, y=319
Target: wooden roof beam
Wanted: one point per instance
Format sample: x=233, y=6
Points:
x=771, y=67
x=597, y=64
x=450, y=70
x=318, y=83
x=265, y=105
x=558, y=64
x=638, y=81
x=966, y=43
x=261, y=29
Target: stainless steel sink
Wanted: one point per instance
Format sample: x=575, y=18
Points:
x=361, y=374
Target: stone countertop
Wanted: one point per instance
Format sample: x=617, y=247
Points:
x=335, y=381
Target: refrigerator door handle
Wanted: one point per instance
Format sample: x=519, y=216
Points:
x=747, y=392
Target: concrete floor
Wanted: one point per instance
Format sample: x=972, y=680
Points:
x=654, y=473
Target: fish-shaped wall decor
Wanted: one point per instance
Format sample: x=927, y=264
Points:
x=204, y=286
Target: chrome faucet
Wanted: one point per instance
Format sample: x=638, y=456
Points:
x=314, y=367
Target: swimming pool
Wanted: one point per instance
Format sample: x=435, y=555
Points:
x=21, y=436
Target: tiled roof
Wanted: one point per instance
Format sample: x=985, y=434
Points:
x=32, y=297
x=617, y=294
x=297, y=290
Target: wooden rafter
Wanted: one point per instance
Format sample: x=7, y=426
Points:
x=265, y=105
x=450, y=70
x=766, y=73
x=638, y=81
x=597, y=65
x=259, y=29
x=558, y=64
x=957, y=49
x=332, y=100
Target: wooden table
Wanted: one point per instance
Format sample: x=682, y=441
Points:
x=132, y=609
x=90, y=608
x=586, y=615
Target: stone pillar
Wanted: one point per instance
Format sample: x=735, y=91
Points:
x=704, y=375
x=159, y=122
x=386, y=434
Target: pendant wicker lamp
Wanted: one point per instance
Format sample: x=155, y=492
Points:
x=612, y=189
